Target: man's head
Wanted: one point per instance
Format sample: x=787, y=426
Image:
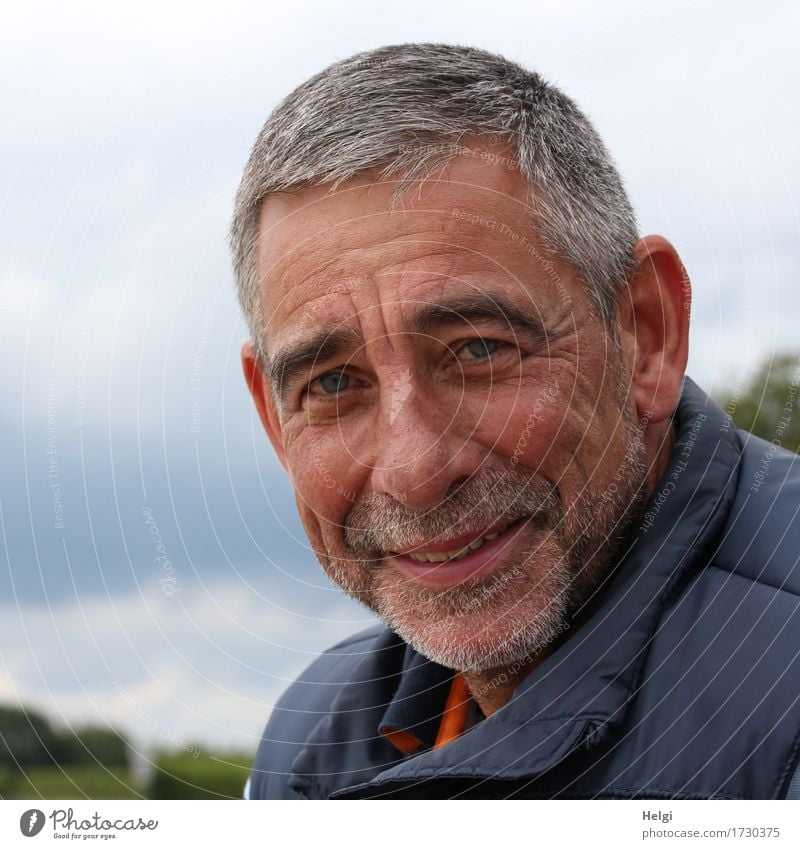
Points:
x=461, y=354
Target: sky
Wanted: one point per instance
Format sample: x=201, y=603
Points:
x=154, y=574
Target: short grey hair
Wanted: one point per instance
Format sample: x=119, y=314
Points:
x=409, y=108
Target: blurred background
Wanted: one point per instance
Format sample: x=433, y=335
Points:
x=156, y=589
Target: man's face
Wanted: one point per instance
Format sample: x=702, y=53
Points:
x=455, y=421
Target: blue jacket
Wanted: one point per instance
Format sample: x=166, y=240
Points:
x=684, y=683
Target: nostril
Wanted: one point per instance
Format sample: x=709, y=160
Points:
x=456, y=485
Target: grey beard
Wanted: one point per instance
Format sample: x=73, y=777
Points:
x=523, y=634
x=528, y=606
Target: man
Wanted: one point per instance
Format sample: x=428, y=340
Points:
x=472, y=368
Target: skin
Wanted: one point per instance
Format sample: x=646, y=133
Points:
x=433, y=431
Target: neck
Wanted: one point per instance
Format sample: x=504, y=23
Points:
x=492, y=688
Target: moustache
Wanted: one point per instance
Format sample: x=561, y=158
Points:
x=378, y=523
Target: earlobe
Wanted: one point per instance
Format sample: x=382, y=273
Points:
x=261, y=393
x=657, y=315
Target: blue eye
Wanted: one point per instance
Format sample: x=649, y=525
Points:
x=482, y=348
x=334, y=382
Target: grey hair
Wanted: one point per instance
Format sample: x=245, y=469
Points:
x=409, y=108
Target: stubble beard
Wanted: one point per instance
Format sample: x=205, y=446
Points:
x=508, y=616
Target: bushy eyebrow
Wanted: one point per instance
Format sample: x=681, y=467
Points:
x=325, y=344
x=474, y=308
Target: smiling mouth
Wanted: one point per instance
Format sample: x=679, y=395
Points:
x=459, y=553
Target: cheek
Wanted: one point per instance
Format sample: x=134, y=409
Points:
x=325, y=475
x=529, y=425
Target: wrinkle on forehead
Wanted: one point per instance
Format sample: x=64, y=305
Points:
x=401, y=282
x=327, y=254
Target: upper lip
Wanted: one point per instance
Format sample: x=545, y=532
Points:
x=453, y=543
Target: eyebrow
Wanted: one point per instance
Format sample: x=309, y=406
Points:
x=481, y=306
x=288, y=365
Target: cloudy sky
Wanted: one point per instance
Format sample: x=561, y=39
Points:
x=154, y=574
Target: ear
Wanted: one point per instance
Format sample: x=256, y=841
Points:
x=654, y=316
x=261, y=391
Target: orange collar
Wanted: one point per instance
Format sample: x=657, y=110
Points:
x=454, y=717
x=451, y=723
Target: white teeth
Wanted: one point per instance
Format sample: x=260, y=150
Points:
x=456, y=554
x=438, y=556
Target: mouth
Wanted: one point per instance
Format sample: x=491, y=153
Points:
x=459, y=558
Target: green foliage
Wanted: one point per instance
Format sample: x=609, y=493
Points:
x=767, y=405
x=73, y=782
x=26, y=738
x=8, y=782
x=200, y=775
x=38, y=762
x=94, y=745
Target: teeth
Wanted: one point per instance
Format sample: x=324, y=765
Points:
x=456, y=554
x=438, y=556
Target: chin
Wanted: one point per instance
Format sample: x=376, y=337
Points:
x=477, y=628
x=483, y=649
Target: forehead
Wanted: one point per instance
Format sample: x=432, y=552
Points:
x=317, y=247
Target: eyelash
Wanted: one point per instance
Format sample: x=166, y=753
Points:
x=501, y=346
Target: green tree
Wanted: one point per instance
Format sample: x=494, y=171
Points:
x=767, y=404
x=93, y=745
x=39, y=761
x=26, y=739
x=200, y=775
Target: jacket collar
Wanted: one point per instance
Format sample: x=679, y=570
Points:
x=581, y=690
x=416, y=707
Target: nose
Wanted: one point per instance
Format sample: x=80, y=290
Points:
x=420, y=459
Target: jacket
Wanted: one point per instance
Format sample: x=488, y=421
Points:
x=683, y=684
